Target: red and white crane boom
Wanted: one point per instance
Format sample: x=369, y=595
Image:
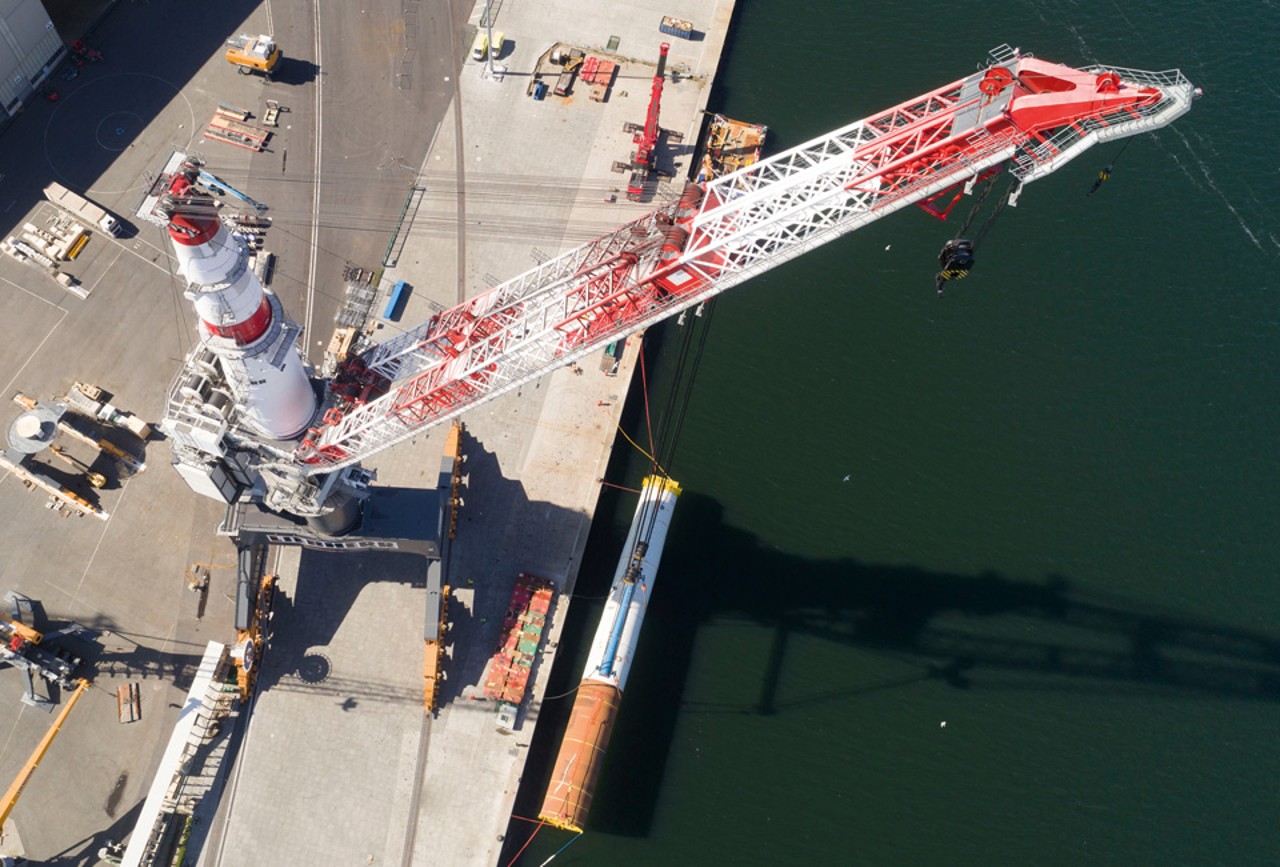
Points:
x=1032, y=114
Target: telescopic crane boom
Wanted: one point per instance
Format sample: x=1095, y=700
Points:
x=647, y=139
x=10, y=799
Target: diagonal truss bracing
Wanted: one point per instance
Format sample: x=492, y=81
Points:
x=1030, y=113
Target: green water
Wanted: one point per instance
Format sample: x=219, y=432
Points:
x=1058, y=528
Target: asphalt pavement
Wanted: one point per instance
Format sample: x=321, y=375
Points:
x=380, y=99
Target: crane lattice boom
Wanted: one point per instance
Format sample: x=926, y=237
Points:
x=1030, y=113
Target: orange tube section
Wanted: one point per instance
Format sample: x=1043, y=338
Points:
x=569, y=793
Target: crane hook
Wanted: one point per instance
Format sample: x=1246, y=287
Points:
x=955, y=261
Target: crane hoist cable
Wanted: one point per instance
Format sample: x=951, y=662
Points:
x=1105, y=173
x=683, y=382
x=959, y=254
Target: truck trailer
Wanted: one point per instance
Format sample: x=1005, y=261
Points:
x=81, y=208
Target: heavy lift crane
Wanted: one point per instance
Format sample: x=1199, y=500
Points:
x=243, y=417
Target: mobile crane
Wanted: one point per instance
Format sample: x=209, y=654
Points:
x=248, y=428
x=10, y=799
x=646, y=138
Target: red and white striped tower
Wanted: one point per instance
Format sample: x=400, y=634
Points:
x=241, y=323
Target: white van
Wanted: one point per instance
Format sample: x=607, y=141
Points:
x=480, y=47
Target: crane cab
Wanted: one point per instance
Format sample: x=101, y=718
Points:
x=250, y=54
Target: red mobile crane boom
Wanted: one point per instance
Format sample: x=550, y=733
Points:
x=647, y=138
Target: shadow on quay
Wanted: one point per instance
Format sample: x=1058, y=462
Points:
x=103, y=109
x=953, y=627
x=305, y=622
x=480, y=581
x=84, y=853
x=107, y=653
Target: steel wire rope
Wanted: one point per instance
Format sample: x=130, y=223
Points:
x=648, y=418
x=991, y=218
x=1105, y=174
x=672, y=421
x=973, y=212
x=687, y=389
x=526, y=843
x=576, y=837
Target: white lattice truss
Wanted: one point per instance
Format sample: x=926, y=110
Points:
x=715, y=237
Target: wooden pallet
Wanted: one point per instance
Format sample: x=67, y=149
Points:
x=234, y=132
x=129, y=702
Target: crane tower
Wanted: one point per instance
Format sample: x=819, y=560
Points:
x=242, y=436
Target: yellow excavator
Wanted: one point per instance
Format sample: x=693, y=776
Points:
x=10, y=799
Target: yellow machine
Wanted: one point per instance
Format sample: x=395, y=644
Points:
x=10, y=628
x=10, y=799
x=251, y=642
x=250, y=54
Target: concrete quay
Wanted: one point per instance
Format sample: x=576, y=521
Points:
x=338, y=765
x=507, y=180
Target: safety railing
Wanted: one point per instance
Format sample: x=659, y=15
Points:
x=1175, y=95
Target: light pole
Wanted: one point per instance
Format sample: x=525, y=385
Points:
x=488, y=29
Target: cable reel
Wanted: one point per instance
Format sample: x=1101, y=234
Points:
x=996, y=80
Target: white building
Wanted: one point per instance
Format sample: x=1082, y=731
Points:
x=30, y=48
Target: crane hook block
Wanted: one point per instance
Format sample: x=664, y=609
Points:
x=954, y=261
x=956, y=258
x=996, y=80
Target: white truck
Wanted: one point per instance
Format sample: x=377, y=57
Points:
x=79, y=206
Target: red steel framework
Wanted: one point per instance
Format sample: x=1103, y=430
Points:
x=1028, y=114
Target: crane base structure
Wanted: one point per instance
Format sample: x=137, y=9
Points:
x=238, y=412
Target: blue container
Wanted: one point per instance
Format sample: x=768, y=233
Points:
x=394, y=303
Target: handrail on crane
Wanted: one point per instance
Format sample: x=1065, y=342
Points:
x=10, y=799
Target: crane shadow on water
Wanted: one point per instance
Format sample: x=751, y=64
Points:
x=984, y=631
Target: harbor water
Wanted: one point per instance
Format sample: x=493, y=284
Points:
x=982, y=579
